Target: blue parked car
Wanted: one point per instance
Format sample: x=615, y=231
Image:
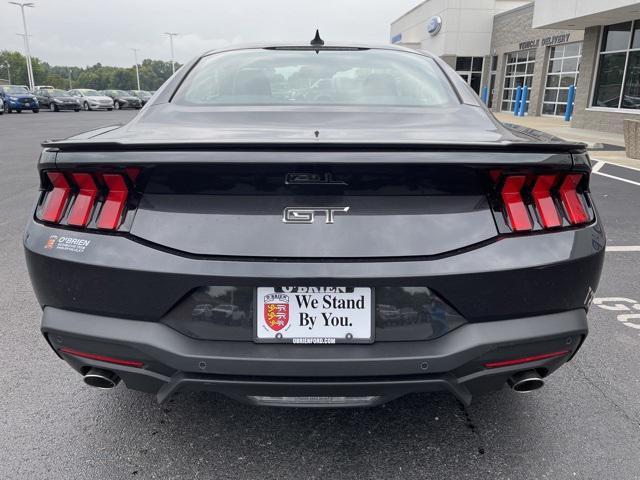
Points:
x=17, y=98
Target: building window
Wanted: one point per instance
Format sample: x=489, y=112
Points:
x=618, y=80
x=470, y=69
x=564, y=65
x=518, y=72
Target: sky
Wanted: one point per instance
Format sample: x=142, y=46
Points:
x=85, y=32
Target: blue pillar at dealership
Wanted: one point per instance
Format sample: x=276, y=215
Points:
x=485, y=95
x=516, y=105
x=523, y=101
x=569, y=110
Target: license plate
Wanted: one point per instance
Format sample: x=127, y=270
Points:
x=27, y=104
x=314, y=315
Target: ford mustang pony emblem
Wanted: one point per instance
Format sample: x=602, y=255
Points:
x=308, y=214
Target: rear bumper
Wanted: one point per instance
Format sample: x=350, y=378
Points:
x=63, y=106
x=98, y=106
x=367, y=374
x=509, y=291
x=512, y=277
x=130, y=105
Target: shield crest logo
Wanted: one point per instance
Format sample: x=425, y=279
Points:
x=50, y=242
x=276, y=311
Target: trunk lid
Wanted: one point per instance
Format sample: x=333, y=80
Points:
x=318, y=211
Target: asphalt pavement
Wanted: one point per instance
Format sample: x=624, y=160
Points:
x=585, y=424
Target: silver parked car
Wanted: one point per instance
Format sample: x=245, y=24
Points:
x=92, y=99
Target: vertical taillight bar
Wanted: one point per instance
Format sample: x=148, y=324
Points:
x=57, y=198
x=570, y=199
x=111, y=213
x=545, y=205
x=516, y=209
x=85, y=199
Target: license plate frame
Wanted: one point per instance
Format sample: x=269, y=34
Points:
x=273, y=338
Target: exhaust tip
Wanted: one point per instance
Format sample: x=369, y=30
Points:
x=99, y=378
x=526, y=382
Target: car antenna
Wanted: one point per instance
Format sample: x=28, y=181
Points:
x=317, y=41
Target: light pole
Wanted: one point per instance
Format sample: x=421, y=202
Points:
x=135, y=57
x=171, y=35
x=30, y=79
x=26, y=41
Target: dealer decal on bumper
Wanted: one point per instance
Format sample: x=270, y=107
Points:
x=67, y=244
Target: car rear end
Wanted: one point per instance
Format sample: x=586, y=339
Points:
x=314, y=254
x=473, y=266
x=66, y=103
x=131, y=101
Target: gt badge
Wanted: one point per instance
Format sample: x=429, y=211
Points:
x=308, y=214
x=276, y=311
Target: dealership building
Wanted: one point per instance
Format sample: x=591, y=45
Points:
x=549, y=46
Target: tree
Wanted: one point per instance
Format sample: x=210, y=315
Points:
x=153, y=73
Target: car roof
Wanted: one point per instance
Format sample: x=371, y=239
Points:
x=307, y=46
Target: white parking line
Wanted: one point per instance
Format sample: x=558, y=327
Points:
x=617, y=178
x=623, y=248
x=637, y=169
x=600, y=163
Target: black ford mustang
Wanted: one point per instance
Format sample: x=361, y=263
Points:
x=315, y=225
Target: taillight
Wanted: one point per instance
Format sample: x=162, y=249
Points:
x=534, y=202
x=113, y=207
x=571, y=199
x=516, y=209
x=57, y=198
x=88, y=199
x=544, y=201
x=85, y=199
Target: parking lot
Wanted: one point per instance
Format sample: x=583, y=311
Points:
x=584, y=424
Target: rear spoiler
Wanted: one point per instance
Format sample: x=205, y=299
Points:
x=533, y=146
x=301, y=155
x=538, y=135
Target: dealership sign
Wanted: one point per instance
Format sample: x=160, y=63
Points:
x=545, y=41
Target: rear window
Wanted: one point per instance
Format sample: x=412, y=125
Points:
x=364, y=77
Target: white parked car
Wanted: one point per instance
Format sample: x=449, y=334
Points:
x=1, y=106
x=92, y=99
